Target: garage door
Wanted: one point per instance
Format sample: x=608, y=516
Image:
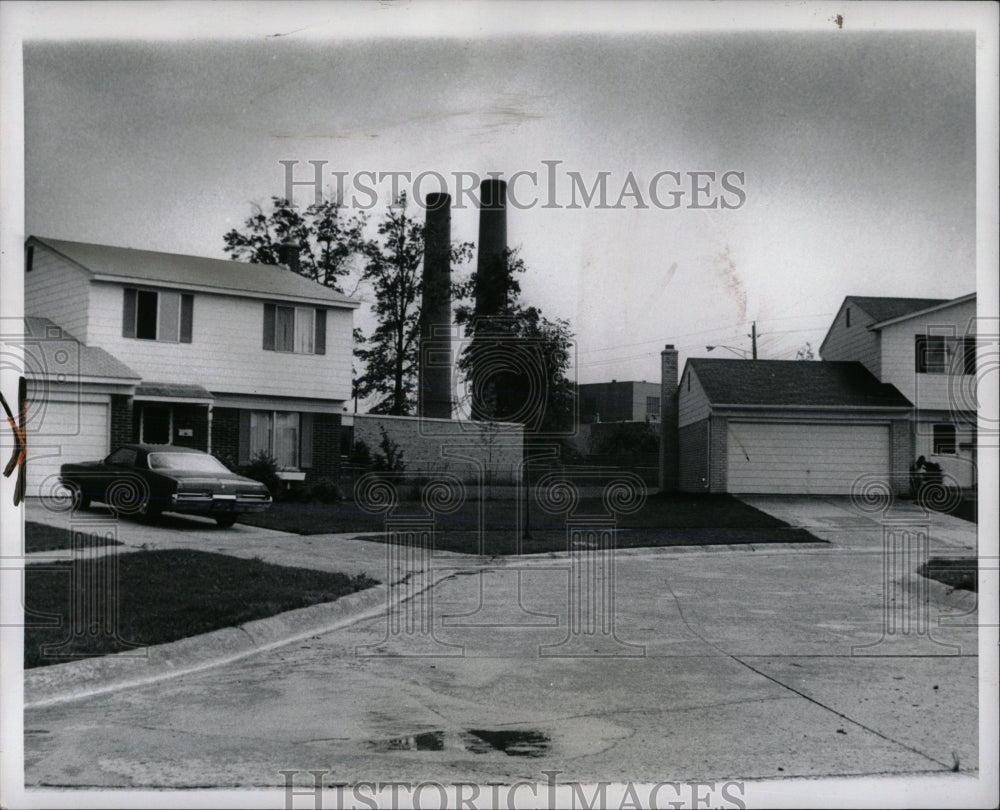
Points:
x=809, y=459
x=67, y=431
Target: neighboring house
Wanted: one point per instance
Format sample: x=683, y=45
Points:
x=927, y=349
x=626, y=401
x=228, y=357
x=897, y=381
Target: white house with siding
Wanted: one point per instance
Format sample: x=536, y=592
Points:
x=225, y=356
x=897, y=381
x=926, y=348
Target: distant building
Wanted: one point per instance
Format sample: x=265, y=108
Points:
x=626, y=401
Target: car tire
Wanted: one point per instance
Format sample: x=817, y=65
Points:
x=225, y=521
x=149, y=510
x=79, y=500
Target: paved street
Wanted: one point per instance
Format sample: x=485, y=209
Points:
x=715, y=663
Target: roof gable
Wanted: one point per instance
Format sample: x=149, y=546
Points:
x=884, y=309
x=221, y=276
x=794, y=383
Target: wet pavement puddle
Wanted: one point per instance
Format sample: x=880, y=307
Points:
x=512, y=742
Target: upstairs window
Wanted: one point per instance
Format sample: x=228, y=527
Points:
x=301, y=330
x=653, y=406
x=158, y=315
x=847, y=318
x=939, y=354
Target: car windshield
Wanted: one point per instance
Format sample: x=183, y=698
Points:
x=188, y=462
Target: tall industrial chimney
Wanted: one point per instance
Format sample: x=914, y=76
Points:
x=492, y=282
x=435, y=393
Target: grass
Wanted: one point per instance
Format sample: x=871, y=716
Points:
x=665, y=520
x=955, y=572
x=40, y=537
x=167, y=595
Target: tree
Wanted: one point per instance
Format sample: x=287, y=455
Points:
x=393, y=263
x=326, y=241
x=806, y=352
x=516, y=360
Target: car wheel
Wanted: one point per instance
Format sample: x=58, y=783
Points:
x=225, y=521
x=149, y=510
x=78, y=499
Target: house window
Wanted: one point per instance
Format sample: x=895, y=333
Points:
x=286, y=436
x=944, y=440
x=938, y=354
x=158, y=315
x=294, y=329
x=652, y=406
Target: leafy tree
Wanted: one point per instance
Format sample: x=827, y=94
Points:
x=806, y=352
x=326, y=240
x=393, y=262
x=516, y=359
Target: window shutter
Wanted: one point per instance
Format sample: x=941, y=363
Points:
x=269, y=326
x=128, y=315
x=305, y=440
x=243, y=455
x=187, y=317
x=320, y=331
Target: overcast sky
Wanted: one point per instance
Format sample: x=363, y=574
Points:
x=856, y=150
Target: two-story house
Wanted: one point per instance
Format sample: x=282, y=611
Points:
x=926, y=348
x=228, y=357
x=896, y=381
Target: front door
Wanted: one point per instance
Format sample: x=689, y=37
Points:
x=155, y=424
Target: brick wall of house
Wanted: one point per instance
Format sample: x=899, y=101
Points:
x=326, y=447
x=226, y=434
x=693, y=460
x=121, y=420
x=718, y=461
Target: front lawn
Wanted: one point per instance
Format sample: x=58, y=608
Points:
x=164, y=596
x=664, y=520
x=42, y=537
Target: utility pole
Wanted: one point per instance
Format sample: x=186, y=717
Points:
x=753, y=338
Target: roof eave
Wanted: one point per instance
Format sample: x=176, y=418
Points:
x=936, y=308
x=747, y=406
x=174, y=285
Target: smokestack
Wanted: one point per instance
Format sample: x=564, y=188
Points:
x=669, y=473
x=491, y=265
x=435, y=397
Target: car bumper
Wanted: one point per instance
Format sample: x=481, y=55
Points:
x=216, y=505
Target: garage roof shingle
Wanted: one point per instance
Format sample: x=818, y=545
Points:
x=794, y=383
x=51, y=353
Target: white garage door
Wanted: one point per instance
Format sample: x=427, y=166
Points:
x=808, y=459
x=67, y=431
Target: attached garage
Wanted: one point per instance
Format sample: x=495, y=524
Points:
x=800, y=458
x=77, y=397
x=62, y=432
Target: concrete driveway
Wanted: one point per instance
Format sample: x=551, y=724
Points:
x=757, y=663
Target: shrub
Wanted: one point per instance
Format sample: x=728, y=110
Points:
x=325, y=490
x=360, y=454
x=390, y=457
x=263, y=467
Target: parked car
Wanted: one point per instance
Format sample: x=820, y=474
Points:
x=147, y=479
